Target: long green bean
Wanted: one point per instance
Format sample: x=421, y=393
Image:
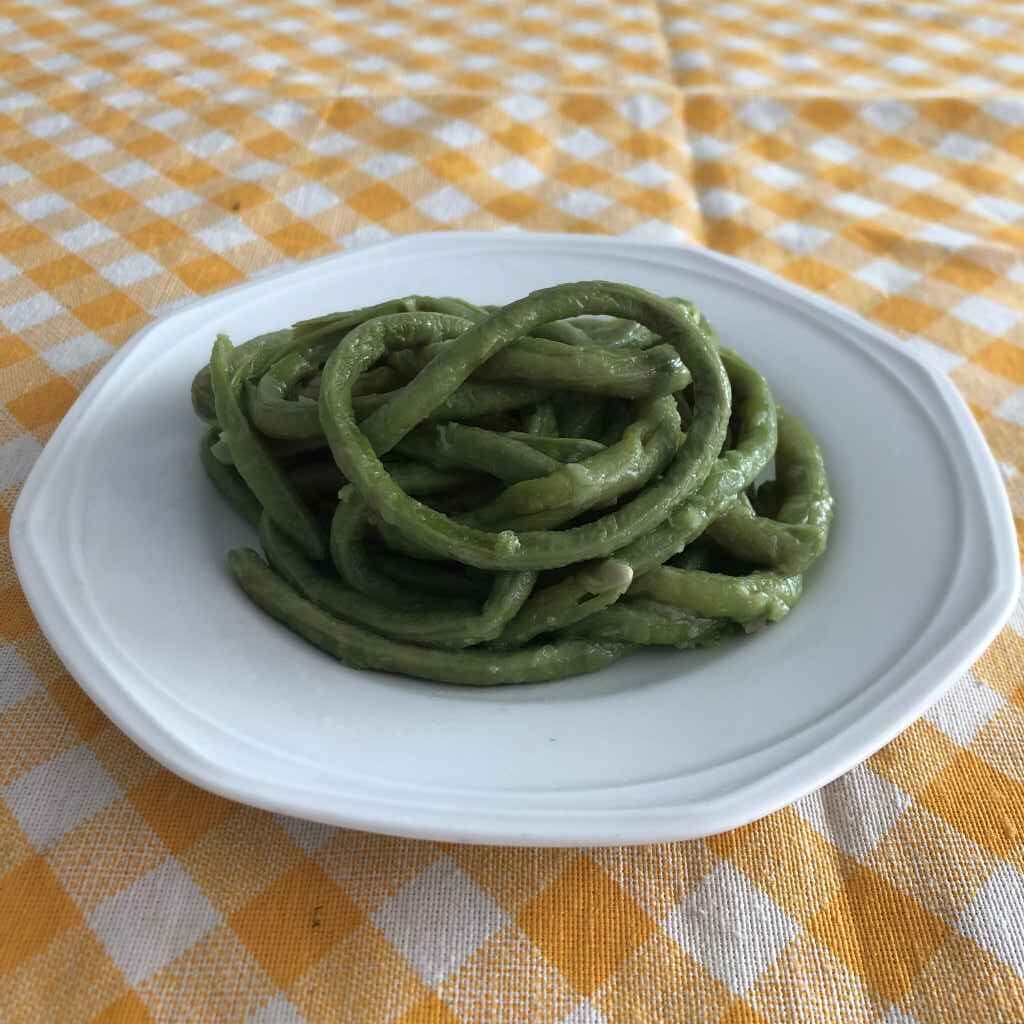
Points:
x=362, y=648
x=254, y=463
x=515, y=493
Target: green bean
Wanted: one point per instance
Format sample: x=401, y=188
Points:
x=454, y=626
x=259, y=352
x=559, y=604
x=452, y=306
x=790, y=541
x=349, y=526
x=272, y=410
x=786, y=547
x=564, y=331
x=294, y=354
x=750, y=600
x=219, y=449
x=266, y=479
x=594, y=587
x=581, y=416
x=454, y=445
x=563, y=449
x=361, y=648
x=614, y=333
x=586, y=369
x=226, y=479
x=541, y=419
x=267, y=349
x=489, y=494
x=645, y=450
x=276, y=415
x=357, y=447
x=431, y=579
x=472, y=401
x=375, y=381
x=337, y=325
x=640, y=621
x=418, y=479
x=800, y=469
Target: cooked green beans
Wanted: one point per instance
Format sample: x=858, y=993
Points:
x=487, y=495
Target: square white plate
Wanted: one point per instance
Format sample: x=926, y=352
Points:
x=120, y=542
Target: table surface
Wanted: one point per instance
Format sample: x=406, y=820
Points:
x=152, y=152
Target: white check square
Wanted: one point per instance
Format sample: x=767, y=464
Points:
x=145, y=927
x=439, y=920
x=730, y=927
x=51, y=799
x=994, y=919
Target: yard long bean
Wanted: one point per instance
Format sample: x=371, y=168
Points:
x=505, y=494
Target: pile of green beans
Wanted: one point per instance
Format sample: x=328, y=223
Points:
x=483, y=495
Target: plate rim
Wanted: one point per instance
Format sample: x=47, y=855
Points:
x=589, y=827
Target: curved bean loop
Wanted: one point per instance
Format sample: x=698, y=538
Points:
x=357, y=446
x=486, y=495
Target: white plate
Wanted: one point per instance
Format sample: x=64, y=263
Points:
x=120, y=542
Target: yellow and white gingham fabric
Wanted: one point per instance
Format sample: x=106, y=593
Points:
x=150, y=152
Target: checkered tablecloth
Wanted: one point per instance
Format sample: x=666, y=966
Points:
x=150, y=152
